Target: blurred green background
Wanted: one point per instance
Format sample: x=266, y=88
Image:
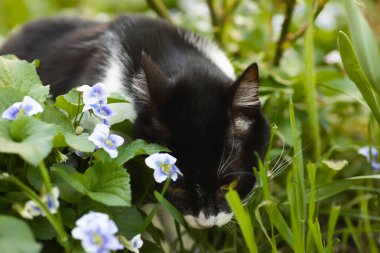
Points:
x=251, y=31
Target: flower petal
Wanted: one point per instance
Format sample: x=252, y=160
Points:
x=169, y=159
x=12, y=111
x=31, y=106
x=116, y=140
x=159, y=175
x=97, y=139
x=112, y=151
x=176, y=170
x=83, y=88
x=103, y=111
x=154, y=161
x=100, y=91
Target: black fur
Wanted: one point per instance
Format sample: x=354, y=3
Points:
x=191, y=105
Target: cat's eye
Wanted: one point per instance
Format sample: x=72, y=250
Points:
x=231, y=185
x=173, y=189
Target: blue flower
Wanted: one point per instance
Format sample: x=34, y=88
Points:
x=135, y=244
x=94, y=94
x=28, y=107
x=100, y=109
x=163, y=166
x=51, y=200
x=102, y=138
x=97, y=233
x=367, y=152
x=31, y=209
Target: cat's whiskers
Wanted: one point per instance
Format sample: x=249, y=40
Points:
x=282, y=153
x=226, y=163
x=221, y=159
x=240, y=172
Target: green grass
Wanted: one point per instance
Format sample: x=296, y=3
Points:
x=318, y=112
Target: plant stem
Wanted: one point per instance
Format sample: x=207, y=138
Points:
x=45, y=177
x=57, y=225
x=76, y=116
x=285, y=36
x=159, y=7
x=310, y=86
x=284, y=31
x=301, y=31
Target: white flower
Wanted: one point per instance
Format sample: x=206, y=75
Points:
x=102, y=138
x=51, y=200
x=94, y=94
x=163, y=166
x=28, y=107
x=30, y=210
x=135, y=244
x=97, y=233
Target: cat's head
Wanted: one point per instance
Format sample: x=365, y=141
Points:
x=214, y=127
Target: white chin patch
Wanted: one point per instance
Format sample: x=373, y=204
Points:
x=201, y=222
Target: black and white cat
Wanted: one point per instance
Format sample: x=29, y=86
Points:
x=183, y=90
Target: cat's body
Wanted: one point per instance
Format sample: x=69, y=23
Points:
x=183, y=91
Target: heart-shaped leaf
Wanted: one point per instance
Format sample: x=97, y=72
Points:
x=28, y=137
x=16, y=236
x=107, y=183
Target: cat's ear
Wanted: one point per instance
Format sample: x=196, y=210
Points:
x=246, y=89
x=156, y=81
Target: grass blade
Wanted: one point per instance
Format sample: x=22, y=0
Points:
x=334, y=214
x=243, y=218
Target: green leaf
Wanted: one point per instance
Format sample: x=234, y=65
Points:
x=355, y=73
x=364, y=43
x=332, y=188
x=53, y=115
x=66, y=192
x=16, y=236
x=107, y=183
x=171, y=209
x=28, y=137
x=69, y=103
x=9, y=96
x=126, y=153
x=21, y=75
x=42, y=229
x=127, y=219
x=243, y=219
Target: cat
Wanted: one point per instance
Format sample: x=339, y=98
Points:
x=183, y=89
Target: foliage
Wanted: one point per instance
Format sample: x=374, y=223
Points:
x=314, y=192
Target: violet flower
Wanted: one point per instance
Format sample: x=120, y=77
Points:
x=28, y=107
x=31, y=209
x=367, y=152
x=100, y=109
x=102, y=138
x=97, y=233
x=94, y=94
x=164, y=166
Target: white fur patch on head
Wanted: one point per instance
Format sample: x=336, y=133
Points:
x=203, y=221
x=242, y=124
x=212, y=52
x=115, y=68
